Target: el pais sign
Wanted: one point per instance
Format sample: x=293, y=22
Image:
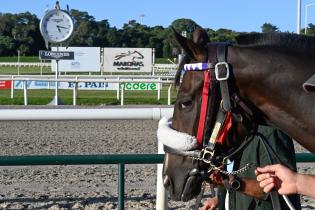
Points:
x=127, y=59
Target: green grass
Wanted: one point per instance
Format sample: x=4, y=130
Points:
x=162, y=61
x=8, y=70
x=22, y=59
x=86, y=97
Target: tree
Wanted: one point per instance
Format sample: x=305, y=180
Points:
x=167, y=50
x=6, y=45
x=269, y=28
x=310, y=29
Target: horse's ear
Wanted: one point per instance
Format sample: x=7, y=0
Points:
x=194, y=50
x=200, y=36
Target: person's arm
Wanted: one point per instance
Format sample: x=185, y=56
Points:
x=285, y=181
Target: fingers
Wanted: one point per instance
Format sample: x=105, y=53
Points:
x=268, y=188
x=261, y=177
x=210, y=204
x=267, y=181
x=267, y=169
x=207, y=207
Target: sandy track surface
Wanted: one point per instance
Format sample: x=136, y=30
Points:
x=77, y=187
x=83, y=187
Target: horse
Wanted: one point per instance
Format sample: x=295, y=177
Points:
x=270, y=79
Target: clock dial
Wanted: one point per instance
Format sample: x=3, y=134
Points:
x=56, y=26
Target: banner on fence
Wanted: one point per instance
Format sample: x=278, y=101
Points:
x=86, y=59
x=5, y=84
x=84, y=85
x=66, y=85
x=127, y=59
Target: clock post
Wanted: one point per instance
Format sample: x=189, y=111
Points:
x=56, y=27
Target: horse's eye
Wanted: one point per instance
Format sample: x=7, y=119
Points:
x=185, y=105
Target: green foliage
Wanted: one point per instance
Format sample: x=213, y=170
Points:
x=269, y=28
x=6, y=44
x=310, y=29
x=21, y=32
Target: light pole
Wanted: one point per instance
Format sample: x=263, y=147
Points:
x=298, y=29
x=305, y=21
x=141, y=18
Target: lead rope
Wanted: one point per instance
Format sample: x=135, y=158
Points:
x=273, y=194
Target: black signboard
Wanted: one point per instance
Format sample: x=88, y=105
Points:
x=56, y=55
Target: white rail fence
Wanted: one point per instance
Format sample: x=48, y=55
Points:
x=158, y=69
x=97, y=114
x=120, y=91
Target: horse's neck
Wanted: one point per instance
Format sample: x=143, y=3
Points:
x=273, y=83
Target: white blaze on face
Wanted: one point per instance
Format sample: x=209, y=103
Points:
x=175, y=139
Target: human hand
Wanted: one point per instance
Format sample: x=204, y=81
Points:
x=279, y=177
x=210, y=204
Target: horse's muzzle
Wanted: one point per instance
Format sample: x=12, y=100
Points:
x=191, y=188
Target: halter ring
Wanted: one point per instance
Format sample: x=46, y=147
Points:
x=216, y=71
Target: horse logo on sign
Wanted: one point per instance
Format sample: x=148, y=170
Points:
x=133, y=55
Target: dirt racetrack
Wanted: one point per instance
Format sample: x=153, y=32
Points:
x=83, y=187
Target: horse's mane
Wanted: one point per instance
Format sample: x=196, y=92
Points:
x=287, y=42
x=284, y=41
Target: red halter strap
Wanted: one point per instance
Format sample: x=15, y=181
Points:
x=226, y=126
x=204, y=105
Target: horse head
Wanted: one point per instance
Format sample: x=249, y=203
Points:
x=256, y=96
x=183, y=174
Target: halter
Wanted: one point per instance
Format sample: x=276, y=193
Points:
x=216, y=72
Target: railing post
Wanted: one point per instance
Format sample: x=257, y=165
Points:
x=118, y=86
x=75, y=91
x=159, y=89
x=12, y=88
x=122, y=94
x=161, y=195
x=169, y=95
x=121, y=186
x=25, y=92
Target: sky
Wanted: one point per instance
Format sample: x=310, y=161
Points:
x=241, y=15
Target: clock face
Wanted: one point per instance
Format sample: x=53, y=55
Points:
x=56, y=26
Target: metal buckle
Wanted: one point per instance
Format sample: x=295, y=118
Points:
x=207, y=156
x=216, y=71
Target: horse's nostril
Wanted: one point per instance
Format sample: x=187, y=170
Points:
x=166, y=181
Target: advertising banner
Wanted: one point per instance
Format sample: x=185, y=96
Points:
x=66, y=85
x=86, y=59
x=127, y=60
x=5, y=84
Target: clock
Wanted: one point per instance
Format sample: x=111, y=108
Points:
x=56, y=26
